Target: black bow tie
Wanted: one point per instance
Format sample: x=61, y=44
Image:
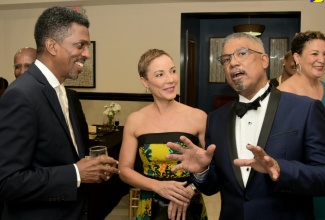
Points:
x=242, y=108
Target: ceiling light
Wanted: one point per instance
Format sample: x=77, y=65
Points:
x=252, y=29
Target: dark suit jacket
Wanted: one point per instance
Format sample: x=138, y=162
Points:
x=292, y=133
x=37, y=176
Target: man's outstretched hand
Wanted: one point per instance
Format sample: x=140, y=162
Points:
x=261, y=162
x=193, y=158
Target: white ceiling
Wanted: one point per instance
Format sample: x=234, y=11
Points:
x=25, y=4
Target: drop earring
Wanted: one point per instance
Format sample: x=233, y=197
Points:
x=146, y=89
x=298, y=67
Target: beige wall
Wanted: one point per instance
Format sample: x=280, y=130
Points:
x=93, y=110
x=123, y=32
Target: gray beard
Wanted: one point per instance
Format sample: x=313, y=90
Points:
x=239, y=85
x=73, y=76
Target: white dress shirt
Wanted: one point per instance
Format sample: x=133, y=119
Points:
x=248, y=130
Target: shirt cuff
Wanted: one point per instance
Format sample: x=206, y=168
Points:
x=200, y=176
x=78, y=175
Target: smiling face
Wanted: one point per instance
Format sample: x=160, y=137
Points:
x=162, y=78
x=71, y=53
x=247, y=76
x=312, y=58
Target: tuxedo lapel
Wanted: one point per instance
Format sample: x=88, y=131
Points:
x=231, y=140
x=272, y=106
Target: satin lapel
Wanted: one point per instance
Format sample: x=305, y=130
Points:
x=75, y=124
x=231, y=139
x=272, y=106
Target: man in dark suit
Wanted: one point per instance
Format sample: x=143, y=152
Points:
x=43, y=170
x=267, y=161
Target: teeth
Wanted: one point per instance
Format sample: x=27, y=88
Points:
x=80, y=64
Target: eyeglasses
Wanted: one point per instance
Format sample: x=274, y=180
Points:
x=239, y=54
x=81, y=45
x=20, y=66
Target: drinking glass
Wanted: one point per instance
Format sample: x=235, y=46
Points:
x=116, y=123
x=96, y=151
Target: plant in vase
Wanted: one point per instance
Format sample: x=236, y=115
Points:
x=110, y=111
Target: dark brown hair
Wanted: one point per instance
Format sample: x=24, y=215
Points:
x=301, y=38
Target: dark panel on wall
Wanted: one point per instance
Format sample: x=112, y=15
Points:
x=117, y=96
x=190, y=31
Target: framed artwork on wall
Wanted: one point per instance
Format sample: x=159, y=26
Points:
x=87, y=78
x=216, y=74
x=278, y=49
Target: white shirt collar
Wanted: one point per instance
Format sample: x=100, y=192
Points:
x=259, y=93
x=54, y=82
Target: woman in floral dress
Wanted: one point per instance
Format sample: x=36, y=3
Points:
x=146, y=133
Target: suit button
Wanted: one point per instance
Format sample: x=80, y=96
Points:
x=50, y=199
x=85, y=212
x=247, y=198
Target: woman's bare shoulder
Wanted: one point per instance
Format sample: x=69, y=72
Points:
x=290, y=85
x=195, y=113
x=138, y=115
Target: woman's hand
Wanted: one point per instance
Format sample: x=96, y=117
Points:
x=177, y=211
x=173, y=191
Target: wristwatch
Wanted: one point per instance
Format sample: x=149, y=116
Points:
x=193, y=187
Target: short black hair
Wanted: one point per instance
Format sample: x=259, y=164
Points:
x=55, y=23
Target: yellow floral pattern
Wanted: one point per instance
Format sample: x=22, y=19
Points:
x=152, y=151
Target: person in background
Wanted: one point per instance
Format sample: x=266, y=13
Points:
x=43, y=131
x=266, y=158
x=147, y=132
x=289, y=68
x=23, y=59
x=3, y=85
x=308, y=50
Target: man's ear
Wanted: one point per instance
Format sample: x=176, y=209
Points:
x=265, y=60
x=51, y=46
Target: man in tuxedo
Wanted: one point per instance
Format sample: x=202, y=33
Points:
x=266, y=158
x=43, y=131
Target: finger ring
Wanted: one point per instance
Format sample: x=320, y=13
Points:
x=105, y=173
